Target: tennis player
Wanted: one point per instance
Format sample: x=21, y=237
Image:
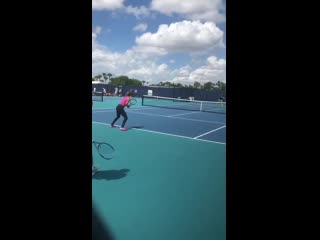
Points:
x=120, y=111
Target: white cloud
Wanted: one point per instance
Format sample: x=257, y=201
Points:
x=184, y=71
x=162, y=68
x=148, y=52
x=141, y=27
x=138, y=12
x=141, y=62
x=95, y=34
x=138, y=62
x=107, y=4
x=172, y=61
x=98, y=30
x=180, y=75
x=213, y=71
x=128, y=64
x=207, y=10
x=150, y=72
x=185, y=36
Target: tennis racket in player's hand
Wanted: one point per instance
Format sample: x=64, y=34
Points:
x=132, y=101
x=105, y=150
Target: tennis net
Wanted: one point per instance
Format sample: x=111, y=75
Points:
x=184, y=104
x=97, y=96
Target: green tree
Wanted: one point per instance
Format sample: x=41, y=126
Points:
x=109, y=77
x=96, y=78
x=168, y=84
x=125, y=81
x=197, y=84
x=221, y=86
x=105, y=77
x=208, y=86
x=121, y=80
x=135, y=82
x=99, y=78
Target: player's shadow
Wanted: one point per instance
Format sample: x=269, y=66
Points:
x=137, y=127
x=110, y=174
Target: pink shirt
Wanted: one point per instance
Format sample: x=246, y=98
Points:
x=124, y=101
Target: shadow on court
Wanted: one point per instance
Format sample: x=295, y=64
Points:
x=100, y=230
x=110, y=174
x=138, y=127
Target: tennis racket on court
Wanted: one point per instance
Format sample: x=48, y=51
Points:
x=105, y=150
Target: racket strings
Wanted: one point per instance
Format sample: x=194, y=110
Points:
x=133, y=101
x=105, y=150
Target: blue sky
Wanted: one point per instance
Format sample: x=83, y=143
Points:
x=160, y=40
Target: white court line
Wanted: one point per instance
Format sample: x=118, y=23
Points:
x=168, y=134
x=209, y=132
x=181, y=114
x=105, y=109
x=151, y=114
x=194, y=120
x=113, y=109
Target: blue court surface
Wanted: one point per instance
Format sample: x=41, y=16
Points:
x=168, y=177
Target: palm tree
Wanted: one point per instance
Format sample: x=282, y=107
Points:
x=105, y=77
x=96, y=78
x=99, y=78
x=109, y=76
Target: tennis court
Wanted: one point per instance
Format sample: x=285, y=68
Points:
x=168, y=177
